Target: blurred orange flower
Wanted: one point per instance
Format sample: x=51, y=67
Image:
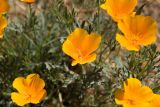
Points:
x=4, y=6
x=3, y=25
x=80, y=46
x=156, y=101
x=134, y=94
x=118, y=9
x=30, y=90
x=138, y=31
x=28, y=1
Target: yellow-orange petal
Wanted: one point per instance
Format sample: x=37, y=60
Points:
x=89, y=58
x=147, y=93
x=29, y=1
x=143, y=25
x=37, y=98
x=86, y=59
x=151, y=35
x=90, y=43
x=118, y=9
x=125, y=43
x=74, y=62
x=131, y=84
x=69, y=49
x=4, y=6
x=3, y=25
x=135, y=90
x=155, y=101
x=77, y=37
x=19, y=99
x=35, y=83
x=20, y=84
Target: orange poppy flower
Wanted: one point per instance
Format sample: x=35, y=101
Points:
x=3, y=25
x=80, y=46
x=30, y=90
x=134, y=94
x=138, y=31
x=4, y=6
x=28, y=1
x=118, y=9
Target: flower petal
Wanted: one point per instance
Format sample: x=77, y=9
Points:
x=77, y=37
x=20, y=84
x=19, y=99
x=90, y=43
x=37, y=98
x=156, y=101
x=150, y=36
x=35, y=83
x=147, y=94
x=131, y=84
x=69, y=49
x=4, y=6
x=73, y=45
x=87, y=59
x=125, y=43
x=119, y=8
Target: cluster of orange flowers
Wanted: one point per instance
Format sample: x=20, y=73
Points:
x=136, y=31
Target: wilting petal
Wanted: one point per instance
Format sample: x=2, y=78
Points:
x=35, y=83
x=125, y=43
x=37, y=98
x=4, y=6
x=19, y=99
x=20, y=84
